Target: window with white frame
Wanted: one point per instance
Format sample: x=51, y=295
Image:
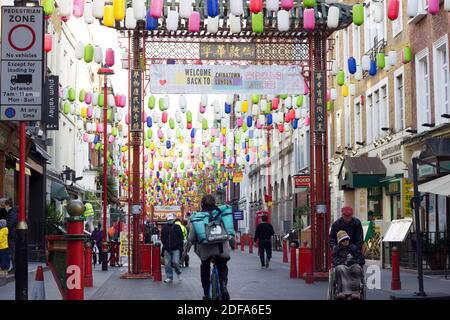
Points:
x=347, y=127
x=397, y=24
x=373, y=32
x=378, y=111
x=357, y=120
x=399, y=100
x=338, y=130
x=356, y=38
x=346, y=49
x=441, y=79
x=369, y=112
x=422, y=90
x=384, y=112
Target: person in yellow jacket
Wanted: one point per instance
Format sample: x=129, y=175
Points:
x=4, y=254
x=89, y=215
x=184, y=258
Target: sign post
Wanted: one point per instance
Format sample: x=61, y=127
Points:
x=21, y=100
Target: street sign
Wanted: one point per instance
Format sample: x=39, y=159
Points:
x=51, y=115
x=302, y=181
x=22, y=63
x=238, y=215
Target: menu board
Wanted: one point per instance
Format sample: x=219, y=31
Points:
x=398, y=230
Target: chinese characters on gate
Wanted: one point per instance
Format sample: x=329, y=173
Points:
x=136, y=101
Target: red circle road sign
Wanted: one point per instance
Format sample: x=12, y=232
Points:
x=24, y=48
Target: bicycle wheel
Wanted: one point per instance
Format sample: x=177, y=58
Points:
x=214, y=288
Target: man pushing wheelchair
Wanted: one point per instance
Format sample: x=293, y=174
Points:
x=347, y=274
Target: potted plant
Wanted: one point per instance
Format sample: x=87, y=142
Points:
x=53, y=220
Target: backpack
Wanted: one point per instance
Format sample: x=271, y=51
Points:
x=213, y=227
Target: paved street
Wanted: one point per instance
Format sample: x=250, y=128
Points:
x=247, y=281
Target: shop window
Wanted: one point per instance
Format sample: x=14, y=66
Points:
x=375, y=202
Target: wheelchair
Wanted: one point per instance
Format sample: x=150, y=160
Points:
x=333, y=285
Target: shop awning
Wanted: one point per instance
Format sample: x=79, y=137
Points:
x=59, y=191
x=41, y=151
x=361, y=172
x=439, y=186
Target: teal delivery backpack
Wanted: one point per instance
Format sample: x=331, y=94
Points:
x=201, y=219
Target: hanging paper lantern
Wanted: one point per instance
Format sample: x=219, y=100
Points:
x=447, y=5
x=109, y=57
x=236, y=7
x=189, y=117
x=333, y=94
x=164, y=117
x=152, y=23
x=212, y=8
x=79, y=50
x=345, y=90
x=139, y=9
x=333, y=17
x=130, y=19
x=48, y=42
x=64, y=8
x=235, y=23
x=172, y=20
x=156, y=8
x=88, y=13
x=98, y=54
x=373, y=68
x=407, y=55
x=88, y=53
x=108, y=16
x=306, y=3
x=78, y=8
x=119, y=9
x=352, y=89
x=194, y=22
x=329, y=105
x=392, y=58
x=255, y=6
x=89, y=112
x=97, y=10
x=380, y=60
x=185, y=8
x=71, y=94
x=309, y=20
x=269, y=119
x=340, y=77
x=365, y=62
x=393, y=7
x=378, y=11
x=244, y=106
x=283, y=20
x=358, y=14
x=352, y=65
x=433, y=6
x=257, y=22
x=49, y=7
x=213, y=24
x=66, y=108
x=412, y=6
x=227, y=108
x=299, y=101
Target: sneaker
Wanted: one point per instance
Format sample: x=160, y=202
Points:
x=263, y=266
x=179, y=277
x=355, y=296
x=168, y=280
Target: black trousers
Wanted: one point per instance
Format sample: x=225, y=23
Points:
x=265, y=245
x=205, y=272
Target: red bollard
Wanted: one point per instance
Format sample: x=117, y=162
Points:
x=293, y=272
x=285, y=252
x=242, y=242
x=88, y=280
x=301, y=260
x=75, y=251
x=309, y=279
x=257, y=246
x=250, y=246
x=145, y=258
x=156, y=262
x=395, y=282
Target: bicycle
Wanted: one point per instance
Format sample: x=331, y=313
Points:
x=214, y=286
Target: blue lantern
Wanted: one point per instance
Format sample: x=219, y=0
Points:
x=247, y=157
x=269, y=119
x=193, y=133
x=250, y=134
x=152, y=23
x=249, y=121
x=157, y=174
x=168, y=144
x=373, y=68
x=149, y=122
x=213, y=8
x=295, y=124
x=227, y=108
x=96, y=139
x=352, y=65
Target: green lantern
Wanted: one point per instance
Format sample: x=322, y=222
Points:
x=244, y=127
x=151, y=102
x=98, y=146
x=114, y=131
x=358, y=14
x=161, y=104
x=283, y=96
x=101, y=100
x=82, y=95
x=189, y=117
x=309, y=3
x=340, y=77
x=407, y=54
x=299, y=101
x=257, y=22
x=88, y=53
x=147, y=143
x=268, y=107
x=171, y=123
x=255, y=98
x=330, y=105
x=149, y=134
x=204, y=123
x=71, y=94
x=109, y=114
x=49, y=7
x=66, y=108
x=380, y=61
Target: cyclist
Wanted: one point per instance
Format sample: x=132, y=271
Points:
x=220, y=252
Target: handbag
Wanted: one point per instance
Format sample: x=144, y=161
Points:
x=216, y=232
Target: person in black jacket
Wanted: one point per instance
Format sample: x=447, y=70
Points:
x=349, y=224
x=264, y=232
x=172, y=240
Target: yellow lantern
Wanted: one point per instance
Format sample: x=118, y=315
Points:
x=108, y=16
x=119, y=9
x=244, y=106
x=345, y=90
x=224, y=131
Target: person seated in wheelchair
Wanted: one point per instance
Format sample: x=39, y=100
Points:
x=347, y=261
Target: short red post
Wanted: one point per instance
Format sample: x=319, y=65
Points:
x=145, y=257
x=301, y=260
x=293, y=272
x=395, y=282
x=309, y=266
x=250, y=245
x=242, y=242
x=285, y=252
x=156, y=261
x=257, y=246
x=88, y=280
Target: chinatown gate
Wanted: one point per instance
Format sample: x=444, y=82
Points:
x=298, y=47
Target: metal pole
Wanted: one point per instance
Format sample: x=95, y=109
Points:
x=129, y=147
x=269, y=191
x=21, y=252
x=105, y=192
x=418, y=233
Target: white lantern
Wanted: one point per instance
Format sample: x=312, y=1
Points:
x=235, y=23
x=298, y=113
x=358, y=74
x=333, y=95
x=263, y=105
x=79, y=50
x=98, y=54
x=213, y=24
x=95, y=98
x=334, y=67
x=65, y=8
x=182, y=102
x=352, y=89
x=365, y=63
x=262, y=119
x=305, y=112
x=125, y=133
x=111, y=100
x=204, y=100
x=178, y=116
x=88, y=13
x=237, y=7
x=130, y=20
x=333, y=17
x=166, y=102
x=185, y=9
x=139, y=9
x=72, y=109
x=280, y=117
x=65, y=93
x=288, y=103
x=412, y=6
x=97, y=9
x=172, y=20
x=272, y=5
x=238, y=106
x=387, y=66
x=255, y=110
x=392, y=58
x=119, y=115
x=447, y=5
x=283, y=20
x=91, y=137
x=378, y=11
x=229, y=99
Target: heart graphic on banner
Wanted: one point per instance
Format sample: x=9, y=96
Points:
x=162, y=82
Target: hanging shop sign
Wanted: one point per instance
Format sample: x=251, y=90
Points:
x=302, y=181
x=160, y=212
x=136, y=101
x=238, y=177
x=408, y=194
x=219, y=79
x=319, y=99
x=50, y=114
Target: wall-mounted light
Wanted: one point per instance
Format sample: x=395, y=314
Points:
x=445, y=115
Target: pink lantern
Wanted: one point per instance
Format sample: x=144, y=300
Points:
x=111, y=139
x=89, y=112
x=194, y=22
x=275, y=103
x=307, y=121
x=156, y=8
x=433, y=6
x=85, y=137
x=123, y=100
x=287, y=117
x=206, y=143
x=99, y=127
x=239, y=122
x=117, y=100
x=393, y=7
x=213, y=131
x=287, y=4
x=281, y=127
x=145, y=158
x=202, y=109
x=109, y=57
x=92, y=146
x=164, y=117
x=255, y=6
x=328, y=95
x=78, y=8
x=309, y=19
x=88, y=98
x=189, y=125
x=160, y=165
x=160, y=134
x=306, y=88
x=48, y=43
x=192, y=140
x=258, y=124
x=292, y=114
x=127, y=119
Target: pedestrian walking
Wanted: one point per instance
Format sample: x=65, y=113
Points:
x=263, y=234
x=89, y=215
x=4, y=254
x=11, y=220
x=184, y=257
x=172, y=240
x=96, y=238
x=351, y=225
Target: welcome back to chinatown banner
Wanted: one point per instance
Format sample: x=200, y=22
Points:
x=223, y=79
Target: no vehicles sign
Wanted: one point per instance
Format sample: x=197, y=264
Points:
x=22, y=63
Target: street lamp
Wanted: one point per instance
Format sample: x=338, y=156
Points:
x=105, y=72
